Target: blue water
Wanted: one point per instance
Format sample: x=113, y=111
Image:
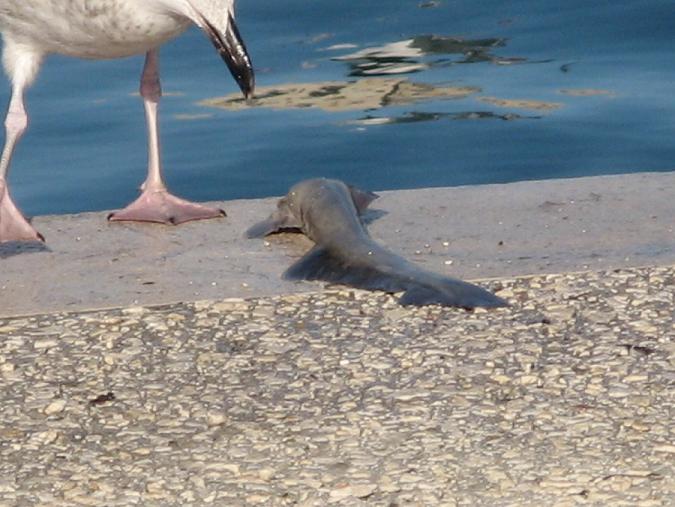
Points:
x=86, y=146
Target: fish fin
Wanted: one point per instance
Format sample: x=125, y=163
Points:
x=451, y=292
x=320, y=264
x=361, y=198
x=282, y=218
x=317, y=264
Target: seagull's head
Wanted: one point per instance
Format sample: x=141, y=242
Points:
x=216, y=19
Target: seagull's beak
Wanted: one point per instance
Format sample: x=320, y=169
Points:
x=233, y=51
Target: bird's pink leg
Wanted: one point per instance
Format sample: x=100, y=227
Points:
x=13, y=225
x=156, y=204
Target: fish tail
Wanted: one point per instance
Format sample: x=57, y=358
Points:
x=450, y=292
x=320, y=264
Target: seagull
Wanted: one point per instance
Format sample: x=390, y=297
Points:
x=106, y=29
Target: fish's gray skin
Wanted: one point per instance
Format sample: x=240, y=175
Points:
x=328, y=212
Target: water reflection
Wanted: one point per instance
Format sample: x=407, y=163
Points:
x=411, y=55
x=368, y=93
x=400, y=57
x=587, y=92
x=420, y=116
x=376, y=93
x=537, y=105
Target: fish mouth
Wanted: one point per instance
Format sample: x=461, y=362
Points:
x=232, y=50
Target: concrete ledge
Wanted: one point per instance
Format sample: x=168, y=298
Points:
x=468, y=232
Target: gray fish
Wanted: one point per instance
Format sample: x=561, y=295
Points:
x=328, y=212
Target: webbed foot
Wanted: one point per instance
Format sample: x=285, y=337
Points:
x=13, y=225
x=160, y=206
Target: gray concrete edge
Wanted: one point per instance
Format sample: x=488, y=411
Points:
x=472, y=232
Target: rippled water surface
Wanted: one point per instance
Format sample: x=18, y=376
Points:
x=383, y=94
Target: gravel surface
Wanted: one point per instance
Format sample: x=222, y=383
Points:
x=342, y=397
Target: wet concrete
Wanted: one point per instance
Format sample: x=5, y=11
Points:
x=469, y=232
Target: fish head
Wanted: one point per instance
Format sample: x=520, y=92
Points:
x=313, y=194
x=283, y=218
